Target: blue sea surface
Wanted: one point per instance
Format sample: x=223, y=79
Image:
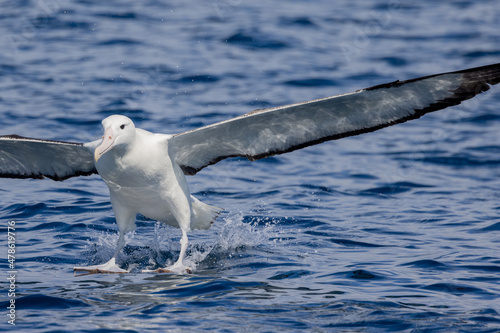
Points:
x=392, y=231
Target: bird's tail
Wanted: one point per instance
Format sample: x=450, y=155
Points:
x=203, y=215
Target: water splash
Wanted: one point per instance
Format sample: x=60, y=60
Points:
x=158, y=246
x=101, y=248
x=235, y=237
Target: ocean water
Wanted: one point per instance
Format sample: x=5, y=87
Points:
x=392, y=231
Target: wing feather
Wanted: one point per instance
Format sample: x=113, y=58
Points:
x=267, y=132
x=22, y=157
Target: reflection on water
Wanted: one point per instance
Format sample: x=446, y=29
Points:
x=395, y=230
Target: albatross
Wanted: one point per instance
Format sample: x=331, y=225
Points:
x=145, y=172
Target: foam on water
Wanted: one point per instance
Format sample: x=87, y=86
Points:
x=159, y=247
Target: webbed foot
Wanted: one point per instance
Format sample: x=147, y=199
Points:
x=174, y=269
x=108, y=268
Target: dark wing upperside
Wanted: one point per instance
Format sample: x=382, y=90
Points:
x=267, y=132
x=22, y=157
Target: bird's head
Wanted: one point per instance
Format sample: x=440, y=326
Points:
x=119, y=131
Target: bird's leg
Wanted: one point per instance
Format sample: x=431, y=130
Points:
x=180, y=207
x=179, y=266
x=108, y=268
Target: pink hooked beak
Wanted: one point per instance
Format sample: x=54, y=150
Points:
x=108, y=140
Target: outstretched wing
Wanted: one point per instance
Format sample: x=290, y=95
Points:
x=22, y=157
x=267, y=132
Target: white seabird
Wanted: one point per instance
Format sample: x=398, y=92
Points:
x=145, y=171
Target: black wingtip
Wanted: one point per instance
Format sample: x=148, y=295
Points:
x=489, y=74
x=474, y=81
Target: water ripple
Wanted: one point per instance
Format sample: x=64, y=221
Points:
x=396, y=230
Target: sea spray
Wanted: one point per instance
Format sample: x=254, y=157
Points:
x=157, y=245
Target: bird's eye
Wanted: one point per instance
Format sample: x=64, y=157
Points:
x=122, y=126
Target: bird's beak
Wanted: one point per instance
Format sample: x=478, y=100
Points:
x=108, y=140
